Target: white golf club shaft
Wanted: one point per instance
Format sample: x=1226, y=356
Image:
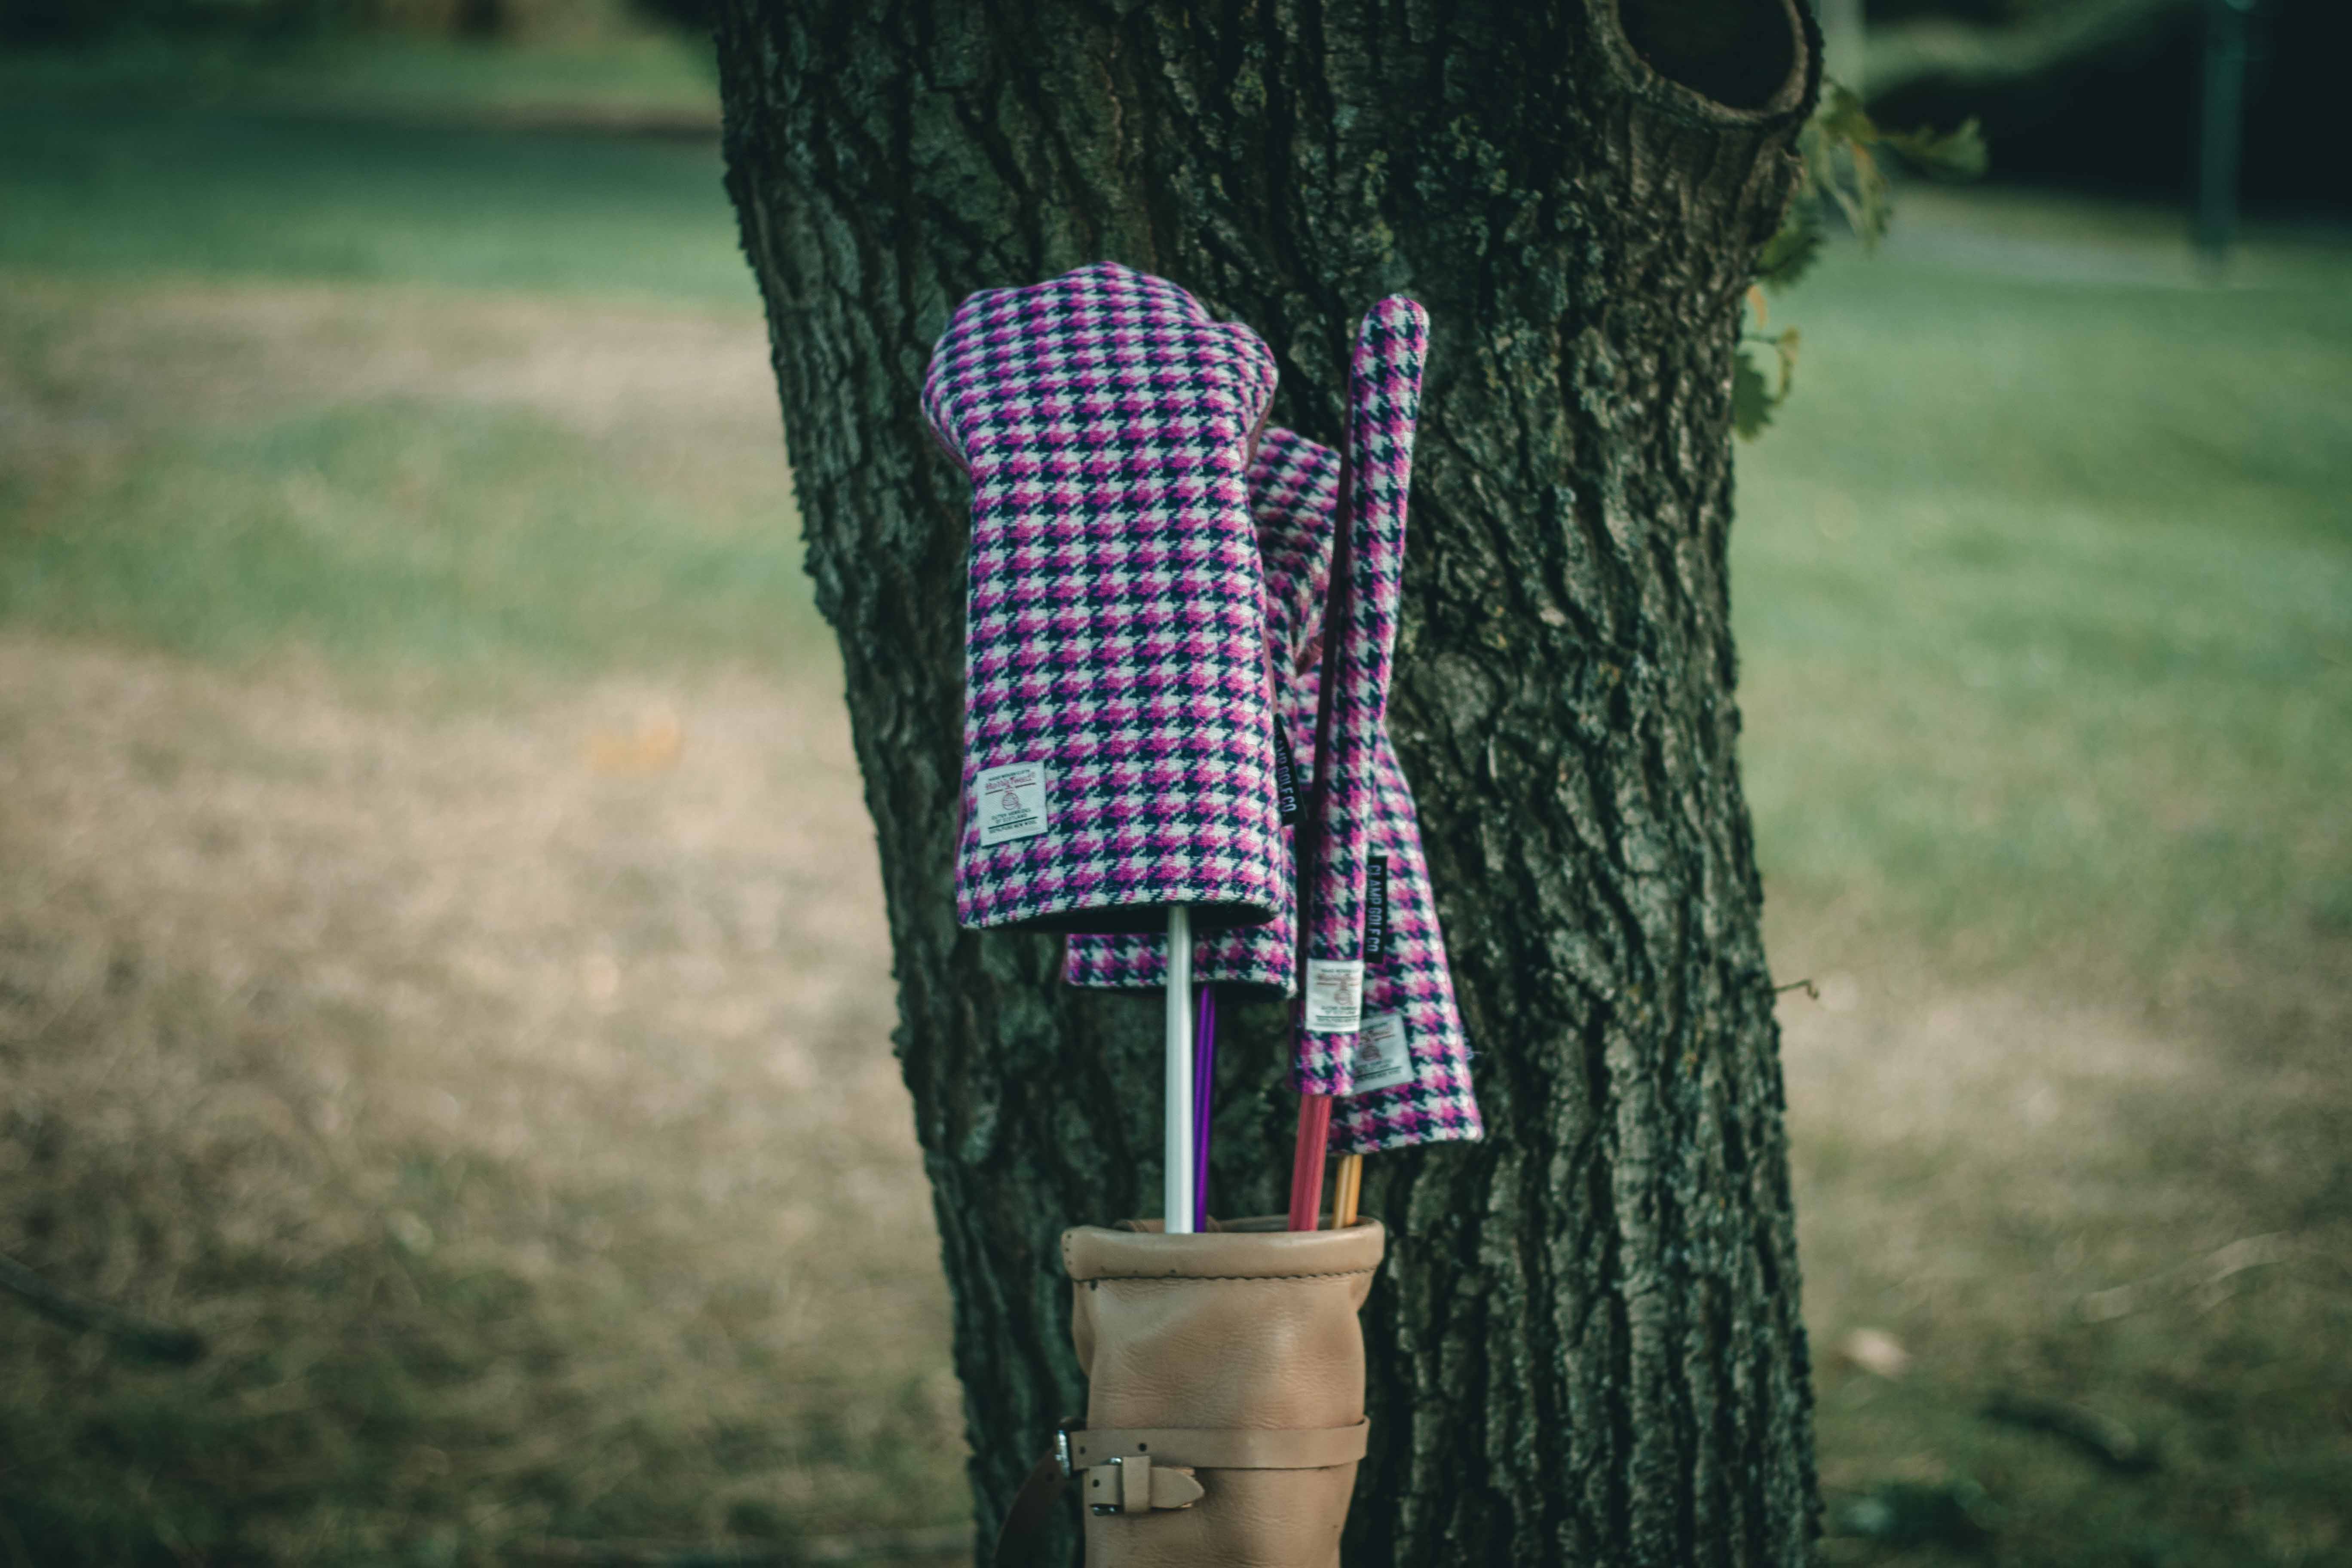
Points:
x=1179, y=1095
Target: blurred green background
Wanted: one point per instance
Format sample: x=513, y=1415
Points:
x=441, y=959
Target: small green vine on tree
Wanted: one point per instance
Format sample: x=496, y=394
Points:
x=1839, y=148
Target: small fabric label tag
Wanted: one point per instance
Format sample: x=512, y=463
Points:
x=1012, y=803
x=1381, y=1059
x=1286, y=776
x=1376, y=913
x=1335, y=996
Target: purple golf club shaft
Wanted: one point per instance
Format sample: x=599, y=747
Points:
x=1204, y=1077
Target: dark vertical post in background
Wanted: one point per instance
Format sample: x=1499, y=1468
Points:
x=2220, y=128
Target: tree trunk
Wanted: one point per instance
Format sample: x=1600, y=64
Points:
x=1586, y=1347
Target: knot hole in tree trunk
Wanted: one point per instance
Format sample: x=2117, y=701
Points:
x=1741, y=53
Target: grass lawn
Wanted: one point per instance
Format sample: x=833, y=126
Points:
x=2044, y=588
x=331, y=175
x=399, y=481
x=2043, y=585
x=440, y=959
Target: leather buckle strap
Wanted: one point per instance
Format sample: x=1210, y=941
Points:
x=1138, y=1470
x=1117, y=1486
x=1133, y=1484
x=1221, y=1449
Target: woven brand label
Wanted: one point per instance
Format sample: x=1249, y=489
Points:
x=1376, y=913
x=1012, y=803
x=1335, y=996
x=1381, y=1059
x=1286, y=776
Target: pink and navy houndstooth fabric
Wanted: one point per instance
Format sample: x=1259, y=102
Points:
x=1294, y=492
x=1118, y=743
x=1414, y=984
x=1294, y=489
x=1414, y=988
x=1383, y=403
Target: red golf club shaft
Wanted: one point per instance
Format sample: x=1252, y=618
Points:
x=1315, y=1110
x=1306, y=1163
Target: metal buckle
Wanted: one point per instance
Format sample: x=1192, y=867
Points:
x=1117, y=1489
x=1061, y=1455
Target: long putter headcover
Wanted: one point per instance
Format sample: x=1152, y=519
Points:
x=1119, y=736
x=1383, y=405
x=1403, y=1077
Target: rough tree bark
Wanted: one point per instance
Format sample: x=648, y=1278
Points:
x=1586, y=1347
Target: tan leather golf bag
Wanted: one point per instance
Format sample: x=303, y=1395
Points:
x=1225, y=1393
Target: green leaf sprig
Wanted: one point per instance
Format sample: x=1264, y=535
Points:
x=1839, y=153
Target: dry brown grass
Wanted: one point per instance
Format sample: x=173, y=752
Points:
x=527, y=1074
x=2132, y=1208
x=534, y=1070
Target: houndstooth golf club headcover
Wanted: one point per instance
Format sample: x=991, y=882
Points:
x=1294, y=491
x=1383, y=403
x=1413, y=1057
x=1416, y=1087
x=1404, y=1077
x=1119, y=736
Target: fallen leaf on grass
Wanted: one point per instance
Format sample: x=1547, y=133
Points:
x=1876, y=1351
